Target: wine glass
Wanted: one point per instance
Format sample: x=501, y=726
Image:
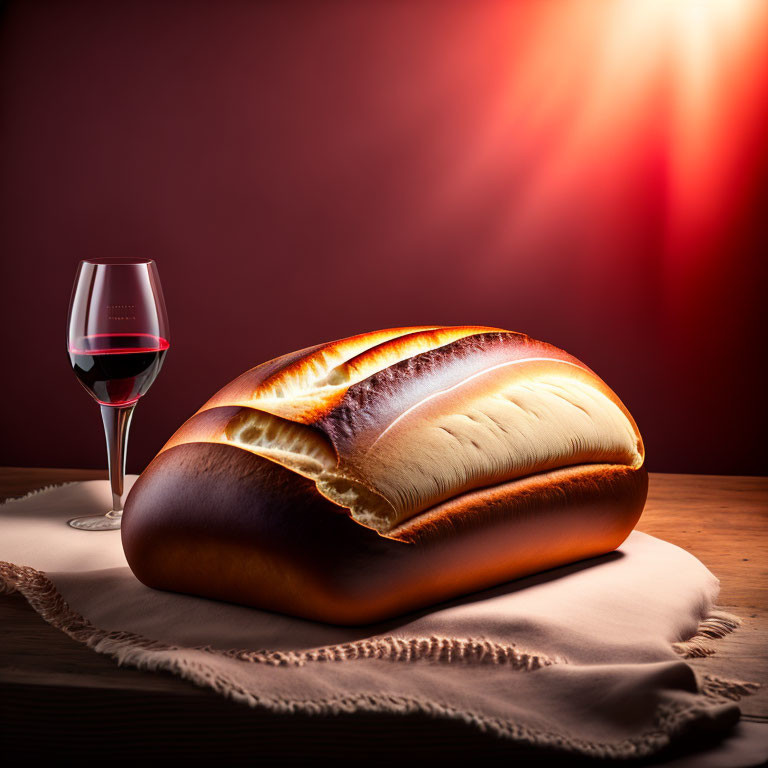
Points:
x=117, y=337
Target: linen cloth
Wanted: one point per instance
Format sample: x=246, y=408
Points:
x=587, y=658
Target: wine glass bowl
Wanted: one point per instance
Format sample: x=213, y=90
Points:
x=117, y=339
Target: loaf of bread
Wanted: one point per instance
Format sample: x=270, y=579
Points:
x=367, y=477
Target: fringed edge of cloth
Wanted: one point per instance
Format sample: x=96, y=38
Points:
x=36, y=492
x=715, y=625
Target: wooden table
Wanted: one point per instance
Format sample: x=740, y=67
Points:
x=54, y=693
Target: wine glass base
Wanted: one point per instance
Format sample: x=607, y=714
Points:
x=108, y=522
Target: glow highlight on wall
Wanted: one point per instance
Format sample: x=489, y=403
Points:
x=613, y=111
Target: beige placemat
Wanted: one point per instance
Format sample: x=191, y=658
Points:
x=588, y=658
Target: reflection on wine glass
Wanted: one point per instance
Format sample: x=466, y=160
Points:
x=117, y=337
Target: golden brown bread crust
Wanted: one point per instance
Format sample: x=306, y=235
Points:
x=217, y=521
x=356, y=480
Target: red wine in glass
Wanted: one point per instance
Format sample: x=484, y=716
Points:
x=117, y=339
x=118, y=369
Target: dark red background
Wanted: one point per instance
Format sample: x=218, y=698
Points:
x=304, y=171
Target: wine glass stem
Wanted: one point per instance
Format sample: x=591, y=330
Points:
x=117, y=422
